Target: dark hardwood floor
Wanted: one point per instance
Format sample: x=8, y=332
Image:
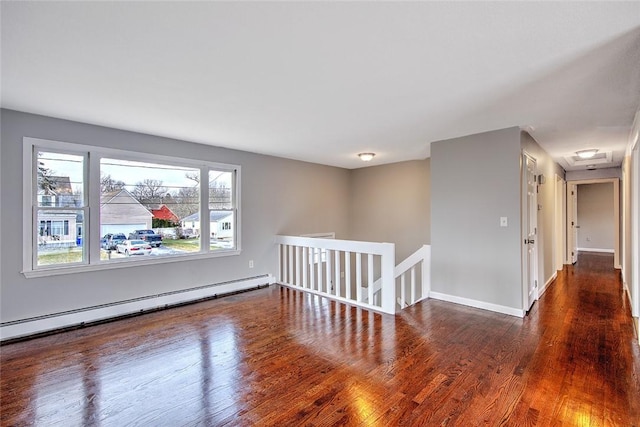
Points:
x=280, y=357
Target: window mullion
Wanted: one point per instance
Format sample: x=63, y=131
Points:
x=205, y=224
x=65, y=216
x=91, y=230
x=235, y=188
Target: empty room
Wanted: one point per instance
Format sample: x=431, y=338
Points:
x=419, y=213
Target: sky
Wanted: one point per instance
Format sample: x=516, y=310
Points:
x=172, y=177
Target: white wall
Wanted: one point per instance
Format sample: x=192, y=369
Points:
x=278, y=196
x=595, y=217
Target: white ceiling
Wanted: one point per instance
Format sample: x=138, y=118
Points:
x=323, y=81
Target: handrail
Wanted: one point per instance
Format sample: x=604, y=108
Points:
x=422, y=255
x=314, y=265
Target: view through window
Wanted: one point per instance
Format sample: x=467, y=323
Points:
x=147, y=202
x=60, y=208
x=145, y=209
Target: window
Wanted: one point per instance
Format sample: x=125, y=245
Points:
x=221, y=211
x=107, y=193
x=139, y=197
x=58, y=204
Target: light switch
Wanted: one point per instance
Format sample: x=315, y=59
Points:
x=503, y=221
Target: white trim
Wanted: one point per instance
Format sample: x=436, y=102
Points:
x=616, y=212
x=92, y=314
x=517, y=312
x=634, y=135
x=635, y=232
x=91, y=235
x=125, y=262
x=608, y=251
x=328, y=235
x=524, y=233
x=559, y=236
x=544, y=288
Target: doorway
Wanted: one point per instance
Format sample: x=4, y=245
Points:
x=529, y=231
x=559, y=233
x=586, y=230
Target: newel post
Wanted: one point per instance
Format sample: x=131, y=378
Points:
x=426, y=271
x=388, y=262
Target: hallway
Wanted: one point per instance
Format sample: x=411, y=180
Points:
x=586, y=366
x=276, y=356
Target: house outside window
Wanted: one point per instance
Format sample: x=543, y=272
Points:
x=141, y=197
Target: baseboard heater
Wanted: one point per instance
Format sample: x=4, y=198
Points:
x=56, y=322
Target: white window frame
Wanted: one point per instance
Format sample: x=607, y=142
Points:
x=91, y=234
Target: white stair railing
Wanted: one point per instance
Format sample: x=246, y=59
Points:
x=418, y=290
x=336, y=269
x=418, y=287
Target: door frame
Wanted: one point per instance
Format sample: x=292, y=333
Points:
x=524, y=233
x=571, y=255
x=635, y=233
x=616, y=212
x=559, y=215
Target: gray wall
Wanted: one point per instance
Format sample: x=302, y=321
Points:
x=278, y=196
x=594, y=174
x=595, y=216
x=391, y=203
x=475, y=180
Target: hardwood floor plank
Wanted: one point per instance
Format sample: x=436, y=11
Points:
x=278, y=357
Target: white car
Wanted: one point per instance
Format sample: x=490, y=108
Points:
x=133, y=247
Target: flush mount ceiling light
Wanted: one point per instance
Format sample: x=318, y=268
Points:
x=366, y=157
x=587, y=154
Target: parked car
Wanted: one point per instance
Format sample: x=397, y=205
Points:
x=149, y=236
x=189, y=233
x=134, y=247
x=109, y=241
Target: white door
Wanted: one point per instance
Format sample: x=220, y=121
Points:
x=572, y=222
x=530, y=222
x=559, y=246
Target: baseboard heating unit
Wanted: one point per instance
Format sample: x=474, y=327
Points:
x=18, y=329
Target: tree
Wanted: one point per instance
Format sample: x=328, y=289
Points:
x=108, y=184
x=185, y=201
x=219, y=195
x=46, y=181
x=149, y=192
x=193, y=176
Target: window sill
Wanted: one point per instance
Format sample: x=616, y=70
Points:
x=124, y=263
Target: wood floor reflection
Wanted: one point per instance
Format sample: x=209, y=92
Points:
x=280, y=357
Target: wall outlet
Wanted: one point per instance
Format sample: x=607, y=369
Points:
x=342, y=274
x=504, y=222
x=250, y=263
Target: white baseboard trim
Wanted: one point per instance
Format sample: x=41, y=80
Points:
x=542, y=290
x=26, y=327
x=477, y=304
x=608, y=251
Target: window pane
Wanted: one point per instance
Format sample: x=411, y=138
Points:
x=150, y=202
x=222, y=226
x=220, y=194
x=60, y=180
x=59, y=237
